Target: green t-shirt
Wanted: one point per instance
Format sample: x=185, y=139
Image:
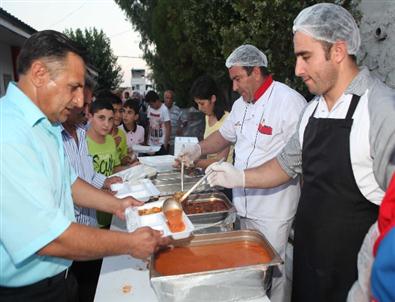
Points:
x=122, y=148
x=105, y=159
x=104, y=156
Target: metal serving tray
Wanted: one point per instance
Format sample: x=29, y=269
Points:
x=211, y=217
x=232, y=284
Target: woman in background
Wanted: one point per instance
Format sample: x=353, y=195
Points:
x=206, y=95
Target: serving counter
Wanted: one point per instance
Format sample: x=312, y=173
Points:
x=124, y=278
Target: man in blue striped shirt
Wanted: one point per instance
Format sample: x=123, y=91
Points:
x=76, y=150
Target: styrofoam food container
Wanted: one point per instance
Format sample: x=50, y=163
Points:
x=162, y=163
x=145, y=149
x=136, y=172
x=156, y=221
x=141, y=189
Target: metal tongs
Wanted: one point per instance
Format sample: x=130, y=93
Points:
x=185, y=196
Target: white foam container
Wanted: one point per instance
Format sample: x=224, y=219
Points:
x=136, y=172
x=156, y=221
x=141, y=189
x=162, y=163
x=145, y=149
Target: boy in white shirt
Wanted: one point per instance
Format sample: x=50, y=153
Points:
x=159, y=127
x=134, y=133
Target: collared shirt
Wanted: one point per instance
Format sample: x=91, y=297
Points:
x=81, y=161
x=135, y=137
x=260, y=130
x=261, y=90
x=372, y=139
x=35, y=181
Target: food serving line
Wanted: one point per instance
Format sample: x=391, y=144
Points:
x=177, y=274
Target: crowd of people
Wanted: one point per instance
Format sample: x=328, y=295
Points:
x=323, y=168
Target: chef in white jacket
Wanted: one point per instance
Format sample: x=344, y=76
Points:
x=260, y=123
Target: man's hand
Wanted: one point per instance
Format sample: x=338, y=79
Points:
x=189, y=154
x=124, y=203
x=225, y=175
x=146, y=241
x=111, y=180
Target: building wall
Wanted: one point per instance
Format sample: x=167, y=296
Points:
x=6, y=71
x=378, y=38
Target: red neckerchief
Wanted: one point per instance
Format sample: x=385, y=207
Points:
x=386, y=220
x=261, y=90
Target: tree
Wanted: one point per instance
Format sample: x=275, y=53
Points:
x=182, y=39
x=100, y=56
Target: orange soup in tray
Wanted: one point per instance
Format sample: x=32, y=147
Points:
x=192, y=259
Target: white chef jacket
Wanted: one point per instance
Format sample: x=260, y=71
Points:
x=276, y=111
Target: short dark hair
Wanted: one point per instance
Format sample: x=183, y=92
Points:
x=203, y=88
x=110, y=97
x=264, y=71
x=151, y=97
x=327, y=46
x=132, y=104
x=99, y=104
x=48, y=44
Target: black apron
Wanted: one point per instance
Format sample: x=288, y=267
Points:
x=333, y=216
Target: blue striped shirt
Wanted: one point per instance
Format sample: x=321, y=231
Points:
x=81, y=161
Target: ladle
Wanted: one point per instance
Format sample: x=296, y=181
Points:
x=171, y=204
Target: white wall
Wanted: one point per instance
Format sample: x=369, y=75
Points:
x=378, y=38
x=5, y=65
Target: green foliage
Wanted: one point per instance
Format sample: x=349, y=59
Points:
x=100, y=56
x=182, y=39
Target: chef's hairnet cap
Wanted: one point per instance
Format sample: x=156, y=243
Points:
x=246, y=55
x=329, y=22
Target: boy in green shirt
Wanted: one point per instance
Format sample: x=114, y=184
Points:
x=118, y=134
x=102, y=147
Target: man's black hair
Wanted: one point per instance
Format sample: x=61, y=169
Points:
x=48, y=44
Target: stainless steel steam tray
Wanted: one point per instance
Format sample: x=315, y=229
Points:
x=230, y=284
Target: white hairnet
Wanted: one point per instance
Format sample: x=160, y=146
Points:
x=329, y=22
x=246, y=55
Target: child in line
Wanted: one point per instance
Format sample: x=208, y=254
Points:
x=125, y=154
x=102, y=147
x=159, y=127
x=134, y=133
